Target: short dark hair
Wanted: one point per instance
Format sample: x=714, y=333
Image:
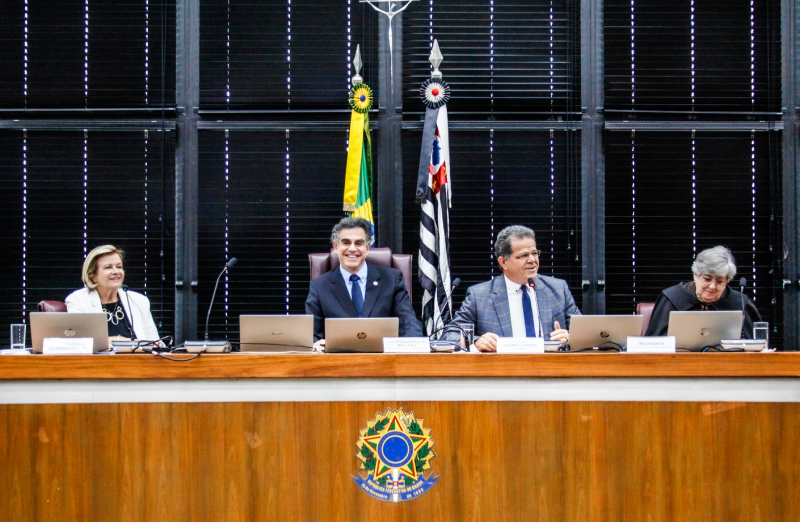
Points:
x=502, y=247
x=351, y=222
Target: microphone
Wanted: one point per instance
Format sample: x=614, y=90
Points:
x=742, y=284
x=230, y=264
x=449, y=296
x=532, y=285
x=130, y=310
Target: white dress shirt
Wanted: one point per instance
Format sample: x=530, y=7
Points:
x=515, y=307
x=362, y=280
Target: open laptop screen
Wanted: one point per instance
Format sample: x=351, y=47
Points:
x=697, y=329
x=360, y=335
x=60, y=324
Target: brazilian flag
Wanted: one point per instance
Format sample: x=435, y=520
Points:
x=358, y=177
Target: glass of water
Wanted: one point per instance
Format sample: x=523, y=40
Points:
x=761, y=331
x=469, y=335
x=17, y=336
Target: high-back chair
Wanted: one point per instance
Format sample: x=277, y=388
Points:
x=325, y=262
x=646, y=311
x=51, y=306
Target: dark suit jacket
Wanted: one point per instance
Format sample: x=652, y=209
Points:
x=486, y=306
x=328, y=297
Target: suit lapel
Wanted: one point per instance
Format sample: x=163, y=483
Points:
x=94, y=297
x=500, y=300
x=339, y=289
x=545, y=303
x=373, y=289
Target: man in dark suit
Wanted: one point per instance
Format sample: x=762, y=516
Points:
x=510, y=306
x=380, y=291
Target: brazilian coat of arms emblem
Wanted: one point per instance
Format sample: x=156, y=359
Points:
x=395, y=451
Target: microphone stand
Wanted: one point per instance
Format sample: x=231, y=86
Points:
x=206, y=345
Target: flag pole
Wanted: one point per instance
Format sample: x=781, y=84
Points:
x=434, y=189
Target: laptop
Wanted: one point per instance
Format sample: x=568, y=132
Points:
x=360, y=335
x=276, y=333
x=60, y=324
x=612, y=331
x=696, y=330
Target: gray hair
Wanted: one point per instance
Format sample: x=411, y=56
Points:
x=717, y=261
x=502, y=247
x=351, y=222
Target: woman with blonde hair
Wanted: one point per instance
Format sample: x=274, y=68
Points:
x=128, y=311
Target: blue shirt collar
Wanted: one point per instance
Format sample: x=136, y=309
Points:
x=362, y=273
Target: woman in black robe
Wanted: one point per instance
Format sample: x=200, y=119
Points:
x=713, y=270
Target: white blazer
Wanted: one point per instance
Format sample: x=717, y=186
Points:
x=88, y=301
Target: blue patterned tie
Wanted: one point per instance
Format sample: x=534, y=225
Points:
x=358, y=299
x=527, y=311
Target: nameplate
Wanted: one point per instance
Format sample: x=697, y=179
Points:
x=67, y=345
x=664, y=344
x=520, y=345
x=406, y=345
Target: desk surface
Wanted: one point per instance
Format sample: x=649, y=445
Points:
x=266, y=366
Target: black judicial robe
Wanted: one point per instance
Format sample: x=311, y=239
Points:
x=682, y=298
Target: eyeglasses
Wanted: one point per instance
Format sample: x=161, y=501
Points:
x=533, y=253
x=709, y=279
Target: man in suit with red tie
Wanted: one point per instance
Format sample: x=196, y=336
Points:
x=521, y=303
x=357, y=288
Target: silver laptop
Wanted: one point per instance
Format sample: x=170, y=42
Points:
x=696, y=330
x=60, y=324
x=276, y=333
x=361, y=335
x=612, y=331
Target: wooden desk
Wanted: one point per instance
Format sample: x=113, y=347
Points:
x=272, y=437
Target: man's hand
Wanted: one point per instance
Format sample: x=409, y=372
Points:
x=319, y=346
x=487, y=342
x=559, y=334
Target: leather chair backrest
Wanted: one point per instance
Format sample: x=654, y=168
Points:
x=321, y=263
x=646, y=311
x=51, y=306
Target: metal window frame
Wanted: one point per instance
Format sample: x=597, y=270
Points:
x=187, y=119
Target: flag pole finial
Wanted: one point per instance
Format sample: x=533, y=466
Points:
x=357, y=66
x=436, y=59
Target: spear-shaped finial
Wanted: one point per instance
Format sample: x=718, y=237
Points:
x=435, y=59
x=357, y=65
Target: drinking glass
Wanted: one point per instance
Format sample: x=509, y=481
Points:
x=17, y=336
x=469, y=335
x=761, y=331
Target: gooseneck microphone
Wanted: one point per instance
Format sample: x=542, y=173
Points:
x=449, y=296
x=231, y=262
x=532, y=285
x=130, y=311
x=742, y=284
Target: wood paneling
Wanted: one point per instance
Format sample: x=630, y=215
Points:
x=242, y=366
x=499, y=461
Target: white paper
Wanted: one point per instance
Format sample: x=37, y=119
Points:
x=520, y=345
x=67, y=345
x=406, y=345
x=664, y=344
